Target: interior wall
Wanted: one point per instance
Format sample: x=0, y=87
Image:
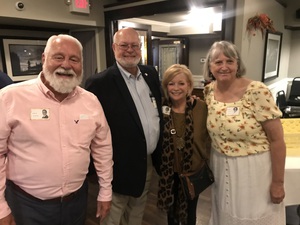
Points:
x=54, y=11
x=252, y=47
x=251, y=50
x=198, y=50
x=294, y=70
x=56, y=16
x=291, y=20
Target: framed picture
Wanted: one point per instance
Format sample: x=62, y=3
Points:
x=23, y=58
x=272, y=55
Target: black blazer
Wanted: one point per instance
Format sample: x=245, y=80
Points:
x=128, y=139
x=4, y=80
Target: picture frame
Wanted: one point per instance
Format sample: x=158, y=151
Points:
x=272, y=54
x=23, y=58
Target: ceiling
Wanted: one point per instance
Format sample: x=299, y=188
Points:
x=176, y=17
x=184, y=23
x=173, y=17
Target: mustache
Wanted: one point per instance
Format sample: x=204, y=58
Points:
x=62, y=71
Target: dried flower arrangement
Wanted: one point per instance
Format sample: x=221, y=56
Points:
x=260, y=22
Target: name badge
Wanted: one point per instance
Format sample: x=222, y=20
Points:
x=39, y=114
x=166, y=110
x=233, y=111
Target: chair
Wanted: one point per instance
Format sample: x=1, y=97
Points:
x=281, y=102
x=288, y=111
x=294, y=97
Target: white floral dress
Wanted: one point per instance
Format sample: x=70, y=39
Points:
x=241, y=158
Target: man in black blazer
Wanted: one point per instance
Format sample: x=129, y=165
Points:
x=130, y=95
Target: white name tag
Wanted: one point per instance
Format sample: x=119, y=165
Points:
x=233, y=111
x=83, y=117
x=40, y=114
x=166, y=110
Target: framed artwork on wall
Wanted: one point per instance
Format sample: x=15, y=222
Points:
x=272, y=55
x=23, y=58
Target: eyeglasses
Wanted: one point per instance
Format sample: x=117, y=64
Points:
x=126, y=46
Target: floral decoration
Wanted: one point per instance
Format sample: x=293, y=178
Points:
x=260, y=22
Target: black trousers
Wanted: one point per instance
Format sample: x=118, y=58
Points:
x=29, y=211
x=191, y=210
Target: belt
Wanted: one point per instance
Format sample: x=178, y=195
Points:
x=61, y=199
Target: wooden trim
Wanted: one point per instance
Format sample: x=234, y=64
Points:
x=31, y=28
x=292, y=27
x=282, y=3
x=124, y=2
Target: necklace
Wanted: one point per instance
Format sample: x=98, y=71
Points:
x=178, y=131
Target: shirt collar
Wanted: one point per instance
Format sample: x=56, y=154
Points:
x=126, y=74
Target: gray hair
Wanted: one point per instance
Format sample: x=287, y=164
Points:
x=230, y=51
x=125, y=31
x=62, y=36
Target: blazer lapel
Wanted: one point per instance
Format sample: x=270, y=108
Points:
x=126, y=96
x=151, y=83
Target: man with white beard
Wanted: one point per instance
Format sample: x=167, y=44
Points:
x=44, y=161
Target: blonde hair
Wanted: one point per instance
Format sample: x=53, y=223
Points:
x=173, y=71
x=230, y=51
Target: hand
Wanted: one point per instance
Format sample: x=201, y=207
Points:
x=8, y=220
x=102, y=210
x=194, y=97
x=277, y=192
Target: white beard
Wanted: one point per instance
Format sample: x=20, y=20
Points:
x=61, y=84
x=127, y=63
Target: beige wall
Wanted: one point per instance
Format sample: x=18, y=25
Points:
x=52, y=11
x=252, y=47
x=198, y=49
x=294, y=62
x=252, y=50
x=53, y=14
x=56, y=14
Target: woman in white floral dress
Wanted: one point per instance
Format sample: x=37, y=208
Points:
x=248, y=154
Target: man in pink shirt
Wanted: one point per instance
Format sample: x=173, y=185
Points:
x=44, y=160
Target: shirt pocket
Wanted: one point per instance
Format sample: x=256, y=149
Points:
x=83, y=132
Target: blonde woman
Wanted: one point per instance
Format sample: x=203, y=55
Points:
x=184, y=141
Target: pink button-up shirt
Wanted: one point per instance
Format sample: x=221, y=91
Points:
x=49, y=157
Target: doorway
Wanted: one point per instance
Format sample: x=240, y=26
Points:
x=168, y=52
x=112, y=16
